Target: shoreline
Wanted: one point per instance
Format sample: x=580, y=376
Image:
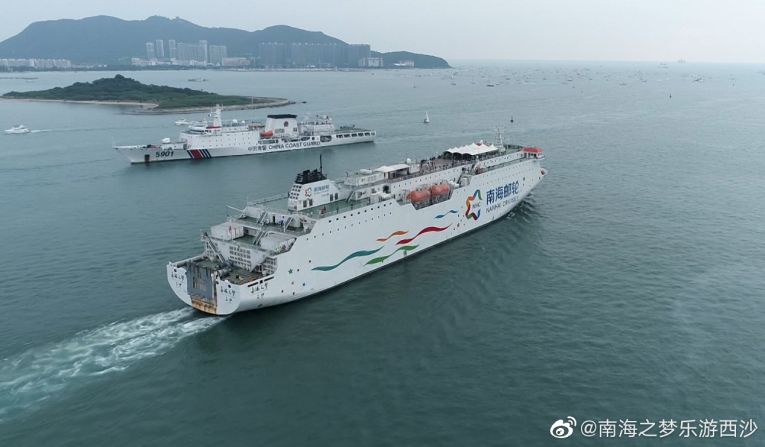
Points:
x=97, y=102
x=150, y=108
x=277, y=102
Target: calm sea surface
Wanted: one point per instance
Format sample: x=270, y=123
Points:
x=630, y=285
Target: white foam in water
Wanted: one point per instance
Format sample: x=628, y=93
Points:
x=39, y=373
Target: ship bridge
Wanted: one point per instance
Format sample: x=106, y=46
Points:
x=282, y=126
x=313, y=189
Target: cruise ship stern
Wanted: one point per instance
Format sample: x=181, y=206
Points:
x=200, y=288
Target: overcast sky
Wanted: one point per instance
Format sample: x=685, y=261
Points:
x=635, y=30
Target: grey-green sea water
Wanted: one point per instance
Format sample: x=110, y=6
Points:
x=630, y=285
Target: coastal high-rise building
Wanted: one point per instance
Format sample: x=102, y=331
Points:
x=330, y=55
x=371, y=62
x=267, y=54
x=186, y=52
x=192, y=53
x=235, y=62
x=171, y=49
x=217, y=53
x=272, y=54
x=150, y=54
x=38, y=64
x=357, y=54
x=203, y=45
x=304, y=54
x=309, y=54
x=159, y=48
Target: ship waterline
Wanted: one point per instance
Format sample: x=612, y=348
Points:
x=279, y=133
x=333, y=231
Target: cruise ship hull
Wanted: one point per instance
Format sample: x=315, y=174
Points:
x=359, y=241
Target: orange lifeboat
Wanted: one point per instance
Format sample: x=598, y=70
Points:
x=267, y=134
x=419, y=196
x=441, y=189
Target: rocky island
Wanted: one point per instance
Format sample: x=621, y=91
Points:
x=151, y=98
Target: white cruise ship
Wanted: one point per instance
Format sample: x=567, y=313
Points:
x=325, y=232
x=224, y=139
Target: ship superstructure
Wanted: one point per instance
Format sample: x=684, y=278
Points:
x=324, y=232
x=216, y=138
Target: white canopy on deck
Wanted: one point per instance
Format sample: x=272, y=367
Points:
x=392, y=168
x=473, y=149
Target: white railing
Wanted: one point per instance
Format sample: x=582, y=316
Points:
x=268, y=199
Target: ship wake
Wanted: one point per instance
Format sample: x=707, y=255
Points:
x=36, y=375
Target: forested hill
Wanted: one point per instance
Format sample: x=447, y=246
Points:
x=112, y=41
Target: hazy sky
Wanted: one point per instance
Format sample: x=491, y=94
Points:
x=652, y=30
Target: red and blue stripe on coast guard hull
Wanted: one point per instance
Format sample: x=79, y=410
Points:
x=199, y=154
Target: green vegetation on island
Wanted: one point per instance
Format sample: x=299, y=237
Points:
x=122, y=89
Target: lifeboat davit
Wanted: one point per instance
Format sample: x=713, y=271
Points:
x=441, y=189
x=267, y=134
x=419, y=196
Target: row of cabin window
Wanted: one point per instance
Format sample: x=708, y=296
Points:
x=359, y=213
x=348, y=135
x=346, y=227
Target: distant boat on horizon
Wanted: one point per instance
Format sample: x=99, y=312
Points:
x=427, y=118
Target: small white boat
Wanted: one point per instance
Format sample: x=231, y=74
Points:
x=182, y=122
x=427, y=118
x=18, y=129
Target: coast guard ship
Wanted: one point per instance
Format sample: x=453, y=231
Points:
x=324, y=232
x=223, y=139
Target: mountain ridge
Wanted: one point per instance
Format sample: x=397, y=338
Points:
x=113, y=41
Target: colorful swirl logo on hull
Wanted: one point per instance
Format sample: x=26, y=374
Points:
x=441, y=216
x=326, y=268
x=473, y=204
x=395, y=233
x=402, y=245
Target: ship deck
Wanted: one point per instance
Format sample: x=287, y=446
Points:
x=434, y=164
x=235, y=275
x=208, y=264
x=265, y=226
x=241, y=276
